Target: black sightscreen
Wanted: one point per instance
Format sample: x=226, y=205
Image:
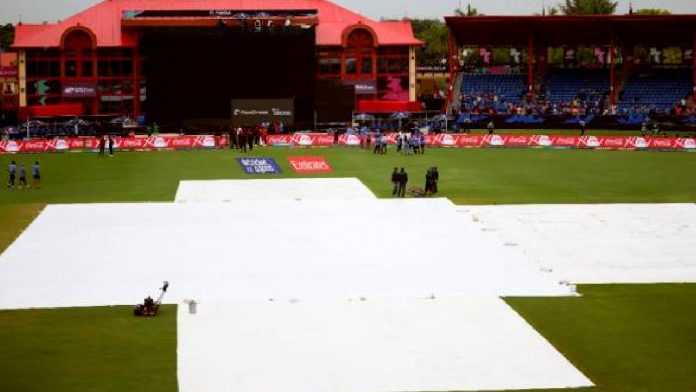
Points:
x=193, y=74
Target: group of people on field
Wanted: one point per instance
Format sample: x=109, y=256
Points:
x=399, y=179
x=20, y=173
x=104, y=142
x=246, y=138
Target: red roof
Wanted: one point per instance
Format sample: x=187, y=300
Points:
x=574, y=29
x=104, y=19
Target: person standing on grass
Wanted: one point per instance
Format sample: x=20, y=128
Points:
x=436, y=179
x=378, y=144
x=491, y=127
x=395, y=181
x=111, y=146
x=582, y=127
x=428, y=182
x=22, y=176
x=403, y=181
x=102, y=146
x=36, y=174
x=12, y=170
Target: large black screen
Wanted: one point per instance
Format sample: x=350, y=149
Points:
x=193, y=74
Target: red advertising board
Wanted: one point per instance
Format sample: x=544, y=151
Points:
x=309, y=165
x=120, y=143
x=322, y=140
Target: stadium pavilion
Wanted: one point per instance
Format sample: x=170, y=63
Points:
x=628, y=57
x=183, y=62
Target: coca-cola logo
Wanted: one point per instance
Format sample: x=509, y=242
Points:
x=447, y=140
x=34, y=145
x=497, y=140
x=592, y=141
x=520, y=140
x=353, y=140
x=12, y=146
x=208, y=141
x=544, y=141
x=305, y=140
x=663, y=143
x=641, y=143
x=565, y=141
x=467, y=140
x=614, y=142
x=181, y=142
x=131, y=143
x=159, y=142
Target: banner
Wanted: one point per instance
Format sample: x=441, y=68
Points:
x=120, y=143
x=324, y=140
x=259, y=165
x=251, y=112
x=362, y=87
x=475, y=140
x=309, y=165
x=79, y=90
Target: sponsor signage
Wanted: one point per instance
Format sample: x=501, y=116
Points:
x=309, y=165
x=79, y=90
x=323, y=140
x=259, y=165
x=8, y=72
x=250, y=112
x=362, y=87
x=120, y=143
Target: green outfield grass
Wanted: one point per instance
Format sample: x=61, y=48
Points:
x=624, y=337
x=467, y=176
x=102, y=349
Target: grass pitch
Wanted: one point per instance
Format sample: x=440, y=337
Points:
x=625, y=338
x=87, y=349
x=467, y=176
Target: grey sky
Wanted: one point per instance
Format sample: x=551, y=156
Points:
x=34, y=11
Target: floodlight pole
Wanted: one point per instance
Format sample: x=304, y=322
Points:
x=693, y=63
x=612, y=88
x=530, y=64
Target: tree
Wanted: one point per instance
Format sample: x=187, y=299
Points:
x=6, y=36
x=588, y=7
x=469, y=11
x=433, y=33
x=653, y=11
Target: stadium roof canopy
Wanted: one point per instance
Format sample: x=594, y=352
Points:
x=104, y=20
x=658, y=30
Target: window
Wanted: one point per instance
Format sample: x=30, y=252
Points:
x=87, y=68
x=351, y=69
x=366, y=67
x=70, y=68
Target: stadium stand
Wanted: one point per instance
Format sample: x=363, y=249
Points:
x=582, y=85
x=656, y=92
x=484, y=93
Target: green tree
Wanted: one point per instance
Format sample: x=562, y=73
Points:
x=434, y=34
x=588, y=7
x=652, y=11
x=6, y=36
x=468, y=11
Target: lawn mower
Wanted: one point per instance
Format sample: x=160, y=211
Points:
x=150, y=307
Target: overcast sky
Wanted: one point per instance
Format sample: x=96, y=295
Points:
x=34, y=11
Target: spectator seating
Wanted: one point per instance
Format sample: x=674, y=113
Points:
x=582, y=85
x=656, y=92
x=491, y=91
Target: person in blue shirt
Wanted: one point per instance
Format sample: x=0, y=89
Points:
x=12, y=170
x=378, y=144
x=22, y=176
x=36, y=174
